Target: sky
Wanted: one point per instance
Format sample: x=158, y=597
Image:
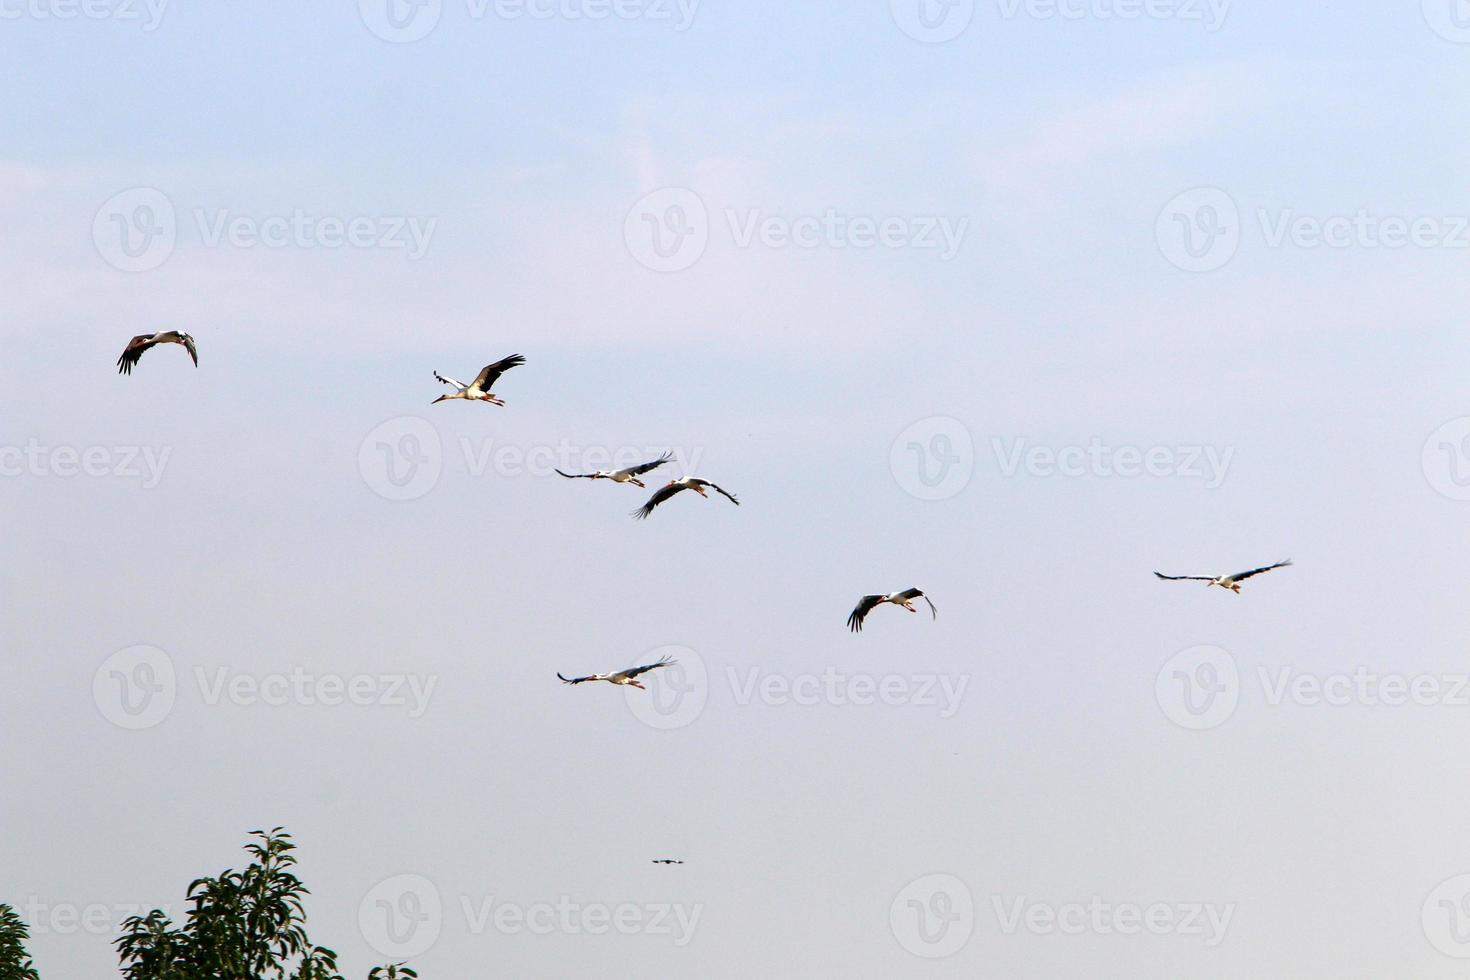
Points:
x=1015, y=301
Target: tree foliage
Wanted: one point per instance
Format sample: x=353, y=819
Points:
x=241, y=925
x=15, y=962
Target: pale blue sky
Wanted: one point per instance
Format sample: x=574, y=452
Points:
x=1060, y=322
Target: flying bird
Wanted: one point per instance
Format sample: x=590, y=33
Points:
x=144, y=341
x=675, y=486
x=629, y=475
x=622, y=676
x=479, y=389
x=666, y=861
x=870, y=602
x=1231, y=582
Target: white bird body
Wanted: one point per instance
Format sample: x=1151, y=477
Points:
x=627, y=475
x=479, y=389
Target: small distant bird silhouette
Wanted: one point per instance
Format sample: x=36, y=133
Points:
x=146, y=341
x=666, y=861
x=1231, y=582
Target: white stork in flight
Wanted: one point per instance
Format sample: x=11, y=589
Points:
x=666, y=861
x=629, y=475
x=870, y=602
x=144, y=341
x=1231, y=582
x=676, y=486
x=622, y=676
x=479, y=389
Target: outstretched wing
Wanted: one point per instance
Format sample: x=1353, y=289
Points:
x=188, y=343
x=577, y=476
x=635, y=671
x=575, y=680
x=1184, y=578
x=1256, y=571
x=658, y=497
x=642, y=468
x=448, y=381
x=916, y=594
x=720, y=490
x=487, y=377
x=865, y=605
x=133, y=351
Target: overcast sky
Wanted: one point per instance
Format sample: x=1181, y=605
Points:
x=1015, y=301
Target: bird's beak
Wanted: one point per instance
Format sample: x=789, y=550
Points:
x=438, y=400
